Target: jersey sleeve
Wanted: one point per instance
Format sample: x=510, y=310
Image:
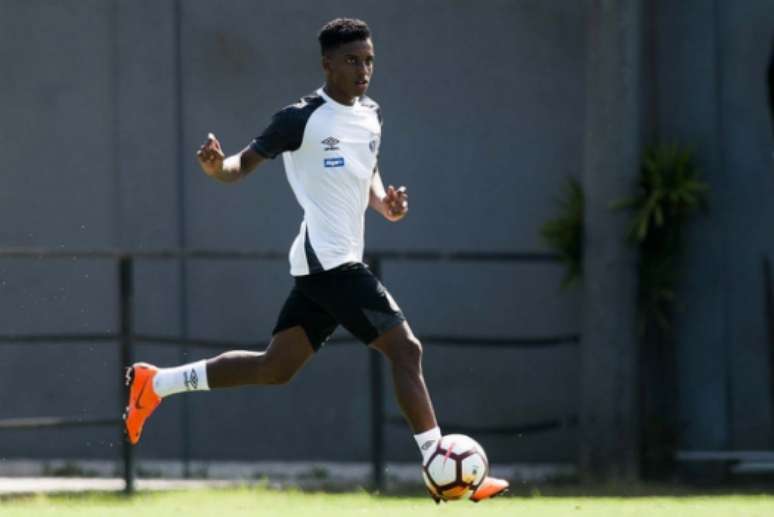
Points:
x=283, y=133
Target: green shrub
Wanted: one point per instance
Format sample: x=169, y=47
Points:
x=564, y=234
x=670, y=191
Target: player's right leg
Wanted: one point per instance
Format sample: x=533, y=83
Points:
x=287, y=352
x=301, y=329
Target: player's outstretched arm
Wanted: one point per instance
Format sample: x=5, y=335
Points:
x=215, y=164
x=391, y=203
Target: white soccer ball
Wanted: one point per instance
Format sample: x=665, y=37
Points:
x=455, y=468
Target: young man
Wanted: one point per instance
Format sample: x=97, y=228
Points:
x=329, y=142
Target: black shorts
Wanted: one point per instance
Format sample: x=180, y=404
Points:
x=349, y=295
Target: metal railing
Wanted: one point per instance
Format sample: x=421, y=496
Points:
x=126, y=338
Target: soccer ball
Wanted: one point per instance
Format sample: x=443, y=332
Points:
x=456, y=467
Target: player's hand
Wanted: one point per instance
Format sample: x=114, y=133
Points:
x=396, y=203
x=210, y=156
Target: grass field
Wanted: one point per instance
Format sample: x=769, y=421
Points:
x=270, y=503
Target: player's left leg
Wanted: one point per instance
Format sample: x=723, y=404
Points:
x=404, y=351
x=359, y=302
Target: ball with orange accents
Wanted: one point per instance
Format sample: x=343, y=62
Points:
x=455, y=468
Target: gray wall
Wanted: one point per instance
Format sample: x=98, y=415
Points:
x=481, y=105
x=711, y=60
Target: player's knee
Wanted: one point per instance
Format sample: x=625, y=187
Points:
x=282, y=375
x=409, y=353
x=277, y=372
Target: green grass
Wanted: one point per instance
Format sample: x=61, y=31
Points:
x=269, y=503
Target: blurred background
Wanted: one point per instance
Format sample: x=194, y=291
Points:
x=520, y=128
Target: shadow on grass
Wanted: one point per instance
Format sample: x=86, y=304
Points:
x=614, y=490
x=518, y=490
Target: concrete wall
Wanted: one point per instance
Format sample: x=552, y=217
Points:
x=100, y=114
x=711, y=60
x=482, y=105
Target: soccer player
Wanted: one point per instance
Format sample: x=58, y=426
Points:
x=329, y=143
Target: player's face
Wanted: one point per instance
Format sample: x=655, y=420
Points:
x=349, y=68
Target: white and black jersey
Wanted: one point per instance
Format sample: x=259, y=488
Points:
x=329, y=150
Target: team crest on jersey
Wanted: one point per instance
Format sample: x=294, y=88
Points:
x=330, y=143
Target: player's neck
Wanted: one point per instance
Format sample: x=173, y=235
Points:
x=341, y=98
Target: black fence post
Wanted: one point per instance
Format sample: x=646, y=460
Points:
x=768, y=316
x=377, y=402
x=125, y=282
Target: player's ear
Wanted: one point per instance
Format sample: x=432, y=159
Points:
x=325, y=61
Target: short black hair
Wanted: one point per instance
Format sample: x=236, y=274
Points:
x=340, y=31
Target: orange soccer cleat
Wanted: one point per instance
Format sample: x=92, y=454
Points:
x=142, y=399
x=490, y=487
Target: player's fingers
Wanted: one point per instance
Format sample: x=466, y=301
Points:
x=213, y=141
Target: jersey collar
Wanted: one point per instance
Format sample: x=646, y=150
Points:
x=336, y=104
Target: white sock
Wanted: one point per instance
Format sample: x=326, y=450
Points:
x=188, y=377
x=426, y=441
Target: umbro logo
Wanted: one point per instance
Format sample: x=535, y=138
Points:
x=191, y=380
x=330, y=143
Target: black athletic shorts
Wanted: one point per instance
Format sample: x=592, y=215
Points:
x=349, y=295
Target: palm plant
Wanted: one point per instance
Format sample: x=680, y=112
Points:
x=670, y=192
x=564, y=234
